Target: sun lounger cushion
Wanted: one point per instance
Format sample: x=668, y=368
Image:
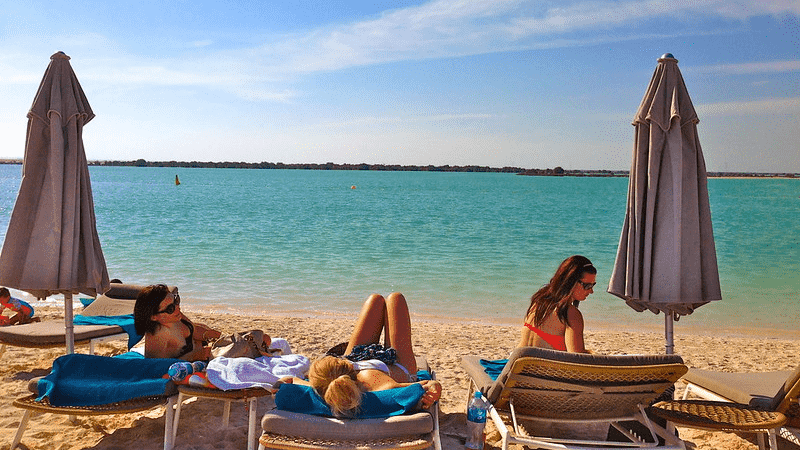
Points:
x=85, y=380
x=51, y=334
x=391, y=402
x=288, y=423
x=763, y=390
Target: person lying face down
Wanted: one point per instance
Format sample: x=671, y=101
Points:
x=168, y=333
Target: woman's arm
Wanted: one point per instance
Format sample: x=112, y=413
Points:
x=573, y=335
x=291, y=380
x=377, y=380
x=527, y=338
x=203, y=332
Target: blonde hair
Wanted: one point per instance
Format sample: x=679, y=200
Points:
x=335, y=380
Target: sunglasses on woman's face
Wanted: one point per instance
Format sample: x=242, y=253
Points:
x=170, y=309
x=586, y=286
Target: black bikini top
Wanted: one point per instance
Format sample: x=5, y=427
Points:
x=189, y=346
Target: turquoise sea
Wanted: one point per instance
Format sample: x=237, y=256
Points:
x=470, y=246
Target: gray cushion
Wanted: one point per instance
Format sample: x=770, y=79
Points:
x=315, y=427
x=51, y=334
x=760, y=389
x=121, y=290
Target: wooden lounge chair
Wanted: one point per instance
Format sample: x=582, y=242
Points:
x=763, y=403
x=32, y=406
x=250, y=396
x=119, y=300
x=296, y=431
x=553, y=387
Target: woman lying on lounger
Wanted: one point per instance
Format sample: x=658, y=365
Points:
x=341, y=381
x=553, y=319
x=167, y=332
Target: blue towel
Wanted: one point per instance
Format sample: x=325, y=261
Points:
x=424, y=375
x=124, y=321
x=84, y=380
x=493, y=367
x=391, y=402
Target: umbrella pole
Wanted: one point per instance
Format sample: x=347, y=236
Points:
x=69, y=328
x=668, y=334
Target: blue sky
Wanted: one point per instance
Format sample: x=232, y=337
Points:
x=534, y=84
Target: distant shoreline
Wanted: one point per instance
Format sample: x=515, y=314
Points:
x=557, y=171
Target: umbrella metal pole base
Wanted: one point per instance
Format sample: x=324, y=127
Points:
x=69, y=327
x=668, y=333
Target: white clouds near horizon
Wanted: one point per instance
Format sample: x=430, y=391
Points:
x=293, y=75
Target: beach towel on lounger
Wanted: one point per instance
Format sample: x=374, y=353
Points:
x=240, y=373
x=124, y=321
x=376, y=404
x=86, y=380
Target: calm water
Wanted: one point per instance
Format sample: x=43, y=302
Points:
x=463, y=245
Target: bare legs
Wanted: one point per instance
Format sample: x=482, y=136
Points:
x=390, y=317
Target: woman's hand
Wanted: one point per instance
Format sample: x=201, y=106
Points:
x=433, y=390
x=205, y=333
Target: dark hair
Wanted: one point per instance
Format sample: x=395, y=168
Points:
x=147, y=304
x=4, y=292
x=556, y=295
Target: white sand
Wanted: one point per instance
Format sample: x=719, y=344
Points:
x=442, y=343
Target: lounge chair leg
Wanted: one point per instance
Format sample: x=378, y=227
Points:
x=23, y=424
x=251, y=423
x=437, y=441
x=177, y=417
x=226, y=414
x=773, y=440
x=169, y=420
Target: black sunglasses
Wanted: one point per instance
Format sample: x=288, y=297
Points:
x=170, y=309
x=586, y=286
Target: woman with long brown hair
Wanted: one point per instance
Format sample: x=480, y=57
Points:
x=553, y=319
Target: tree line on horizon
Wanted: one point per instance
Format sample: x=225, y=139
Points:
x=557, y=171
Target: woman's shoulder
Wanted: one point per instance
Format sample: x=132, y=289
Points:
x=574, y=316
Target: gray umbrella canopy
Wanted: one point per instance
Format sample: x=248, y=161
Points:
x=666, y=260
x=51, y=246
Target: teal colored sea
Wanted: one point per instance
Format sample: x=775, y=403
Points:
x=470, y=246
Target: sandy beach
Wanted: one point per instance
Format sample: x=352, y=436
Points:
x=442, y=342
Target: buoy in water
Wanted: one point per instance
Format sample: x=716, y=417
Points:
x=177, y=181
x=353, y=186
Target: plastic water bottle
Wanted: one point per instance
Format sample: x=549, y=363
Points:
x=476, y=422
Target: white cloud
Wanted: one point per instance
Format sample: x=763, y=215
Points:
x=439, y=29
x=771, y=106
x=749, y=68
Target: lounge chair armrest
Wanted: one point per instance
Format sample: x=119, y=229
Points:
x=472, y=365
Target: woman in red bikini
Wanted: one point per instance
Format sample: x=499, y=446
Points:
x=553, y=319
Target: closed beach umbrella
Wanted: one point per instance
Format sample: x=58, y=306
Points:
x=666, y=260
x=51, y=246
